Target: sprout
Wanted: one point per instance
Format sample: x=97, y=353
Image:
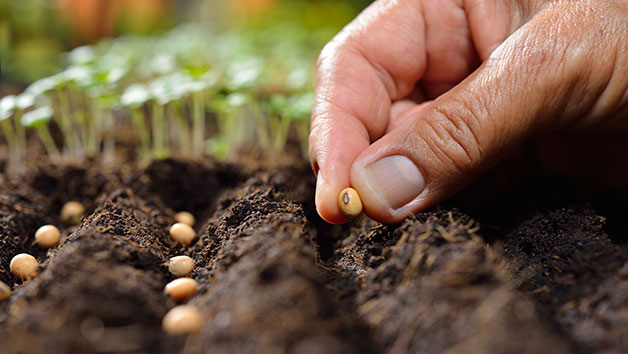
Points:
x=38, y=119
x=135, y=96
x=47, y=236
x=181, y=289
x=299, y=111
x=25, y=100
x=182, y=233
x=81, y=55
x=7, y=106
x=24, y=266
x=45, y=85
x=349, y=203
x=163, y=64
x=297, y=79
x=244, y=73
x=79, y=74
x=183, y=319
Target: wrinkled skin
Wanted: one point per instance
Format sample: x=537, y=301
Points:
x=458, y=86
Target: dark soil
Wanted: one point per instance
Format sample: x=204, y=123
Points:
x=533, y=272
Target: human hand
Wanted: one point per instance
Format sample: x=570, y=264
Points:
x=416, y=99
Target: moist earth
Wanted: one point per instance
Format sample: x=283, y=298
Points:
x=540, y=270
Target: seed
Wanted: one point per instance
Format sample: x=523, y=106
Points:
x=183, y=319
x=71, y=213
x=47, y=236
x=185, y=217
x=182, y=233
x=181, y=265
x=24, y=266
x=349, y=203
x=181, y=289
x=5, y=291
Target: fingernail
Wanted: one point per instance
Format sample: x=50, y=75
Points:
x=396, y=179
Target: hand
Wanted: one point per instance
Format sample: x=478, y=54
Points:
x=416, y=99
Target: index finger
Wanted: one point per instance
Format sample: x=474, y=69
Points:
x=375, y=60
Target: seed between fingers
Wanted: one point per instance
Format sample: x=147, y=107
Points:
x=349, y=203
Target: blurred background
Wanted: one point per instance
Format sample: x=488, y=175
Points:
x=34, y=33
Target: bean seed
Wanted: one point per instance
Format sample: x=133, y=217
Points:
x=182, y=233
x=349, y=203
x=185, y=217
x=24, y=266
x=72, y=212
x=183, y=319
x=181, y=266
x=181, y=289
x=47, y=236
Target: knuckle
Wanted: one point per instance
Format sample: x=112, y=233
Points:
x=452, y=138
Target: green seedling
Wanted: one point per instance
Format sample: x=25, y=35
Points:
x=38, y=119
x=134, y=98
x=278, y=124
x=234, y=126
x=7, y=108
x=299, y=111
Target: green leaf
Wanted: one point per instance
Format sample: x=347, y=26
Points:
x=7, y=106
x=37, y=117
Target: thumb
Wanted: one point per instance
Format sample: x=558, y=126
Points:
x=527, y=86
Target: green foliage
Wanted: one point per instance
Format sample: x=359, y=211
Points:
x=187, y=92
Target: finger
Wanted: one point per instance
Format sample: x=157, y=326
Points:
x=528, y=85
x=374, y=61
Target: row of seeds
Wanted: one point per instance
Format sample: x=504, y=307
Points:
x=181, y=319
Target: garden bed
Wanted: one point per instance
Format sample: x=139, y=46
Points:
x=532, y=273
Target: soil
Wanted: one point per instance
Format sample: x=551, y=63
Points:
x=543, y=269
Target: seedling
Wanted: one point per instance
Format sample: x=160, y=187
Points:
x=134, y=98
x=38, y=119
x=24, y=266
x=7, y=108
x=184, y=217
x=5, y=291
x=71, y=212
x=183, y=319
x=181, y=289
x=181, y=266
x=349, y=203
x=47, y=236
x=182, y=233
